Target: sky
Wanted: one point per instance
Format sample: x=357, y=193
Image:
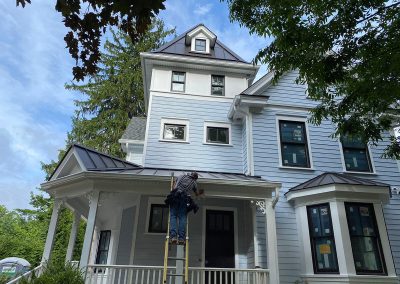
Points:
x=36, y=110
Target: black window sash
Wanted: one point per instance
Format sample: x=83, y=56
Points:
x=208, y=140
x=178, y=125
x=103, y=245
x=313, y=240
x=376, y=237
x=164, y=216
x=178, y=81
x=355, y=147
x=218, y=85
x=304, y=143
x=200, y=45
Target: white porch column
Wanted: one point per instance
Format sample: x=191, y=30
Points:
x=87, y=241
x=72, y=236
x=272, y=244
x=52, y=230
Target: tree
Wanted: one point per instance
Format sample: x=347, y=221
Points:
x=88, y=20
x=348, y=53
x=115, y=94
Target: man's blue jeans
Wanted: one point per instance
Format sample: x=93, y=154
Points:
x=178, y=213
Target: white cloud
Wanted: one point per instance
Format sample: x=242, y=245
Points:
x=203, y=9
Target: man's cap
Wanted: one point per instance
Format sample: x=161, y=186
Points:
x=194, y=175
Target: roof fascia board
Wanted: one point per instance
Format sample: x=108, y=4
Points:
x=339, y=190
x=243, y=104
x=259, y=86
x=71, y=153
x=96, y=176
x=130, y=141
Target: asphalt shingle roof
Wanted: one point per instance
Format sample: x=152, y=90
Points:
x=336, y=178
x=136, y=129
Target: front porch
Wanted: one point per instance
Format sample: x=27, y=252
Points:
x=126, y=224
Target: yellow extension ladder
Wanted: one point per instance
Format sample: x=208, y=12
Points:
x=166, y=250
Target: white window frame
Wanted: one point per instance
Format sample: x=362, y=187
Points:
x=151, y=201
x=372, y=172
x=193, y=45
x=302, y=119
x=184, y=81
x=217, y=124
x=178, y=121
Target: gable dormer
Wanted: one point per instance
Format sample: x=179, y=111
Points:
x=200, y=40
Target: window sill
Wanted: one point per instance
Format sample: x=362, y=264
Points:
x=173, y=141
x=218, y=144
x=296, y=168
x=361, y=173
x=154, y=234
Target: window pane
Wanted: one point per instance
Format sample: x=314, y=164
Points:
x=103, y=247
x=325, y=254
x=158, y=218
x=292, y=132
x=178, y=87
x=365, y=240
x=200, y=45
x=356, y=159
x=322, y=239
x=294, y=155
x=217, y=80
x=366, y=254
x=218, y=135
x=174, y=131
x=178, y=77
x=217, y=91
x=352, y=141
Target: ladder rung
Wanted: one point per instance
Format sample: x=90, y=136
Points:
x=174, y=275
x=176, y=258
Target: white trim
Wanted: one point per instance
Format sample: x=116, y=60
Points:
x=255, y=237
x=272, y=242
x=150, y=201
x=373, y=172
x=146, y=136
x=303, y=119
x=203, y=234
x=135, y=229
x=193, y=45
x=250, y=162
x=176, y=121
x=190, y=96
x=217, y=124
x=130, y=141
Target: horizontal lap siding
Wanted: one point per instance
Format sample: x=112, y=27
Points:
x=392, y=219
x=193, y=155
x=326, y=157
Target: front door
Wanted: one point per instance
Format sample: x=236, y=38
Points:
x=220, y=243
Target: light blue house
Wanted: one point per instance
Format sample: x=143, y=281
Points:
x=284, y=202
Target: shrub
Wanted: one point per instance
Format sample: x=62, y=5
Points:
x=58, y=273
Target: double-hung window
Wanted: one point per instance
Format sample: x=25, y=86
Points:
x=365, y=241
x=356, y=154
x=158, y=222
x=322, y=239
x=103, y=247
x=294, y=147
x=217, y=85
x=178, y=81
x=200, y=45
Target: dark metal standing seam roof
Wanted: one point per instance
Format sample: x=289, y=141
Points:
x=179, y=47
x=336, y=178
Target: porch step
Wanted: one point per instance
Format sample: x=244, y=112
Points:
x=176, y=258
x=175, y=275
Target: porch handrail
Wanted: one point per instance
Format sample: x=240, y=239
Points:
x=27, y=275
x=107, y=274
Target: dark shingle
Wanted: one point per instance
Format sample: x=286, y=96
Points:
x=136, y=129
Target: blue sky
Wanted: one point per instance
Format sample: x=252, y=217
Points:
x=36, y=110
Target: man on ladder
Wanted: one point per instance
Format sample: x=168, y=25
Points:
x=180, y=203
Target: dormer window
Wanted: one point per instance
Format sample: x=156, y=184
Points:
x=200, y=45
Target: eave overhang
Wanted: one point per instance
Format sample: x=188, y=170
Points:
x=243, y=104
x=68, y=186
x=344, y=192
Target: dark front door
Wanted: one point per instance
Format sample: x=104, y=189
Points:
x=220, y=243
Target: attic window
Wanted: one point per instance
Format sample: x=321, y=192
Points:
x=200, y=45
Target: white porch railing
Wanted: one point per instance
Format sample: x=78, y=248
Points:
x=27, y=275
x=133, y=274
